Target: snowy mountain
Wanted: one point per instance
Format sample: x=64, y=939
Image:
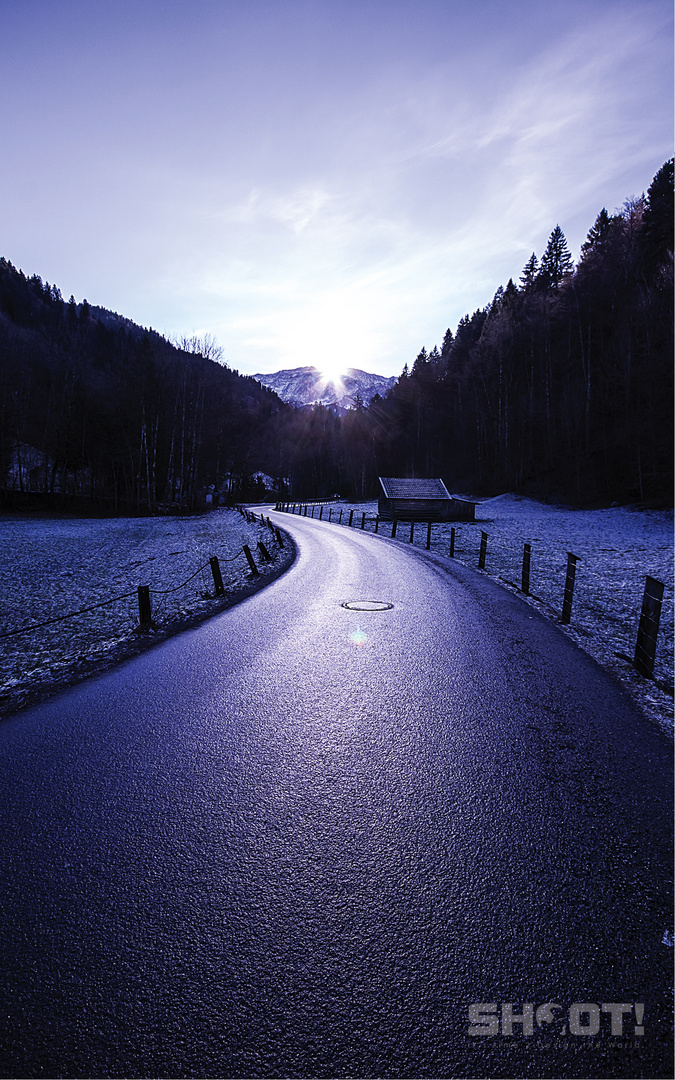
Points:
x=308, y=386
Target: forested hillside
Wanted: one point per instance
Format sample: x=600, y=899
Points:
x=562, y=385
x=92, y=404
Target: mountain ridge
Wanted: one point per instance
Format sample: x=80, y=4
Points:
x=304, y=386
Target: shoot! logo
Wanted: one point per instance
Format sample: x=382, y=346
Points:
x=582, y=1018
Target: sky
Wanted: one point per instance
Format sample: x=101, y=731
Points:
x=327, y=182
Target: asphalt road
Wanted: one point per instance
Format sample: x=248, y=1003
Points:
x=303, y=840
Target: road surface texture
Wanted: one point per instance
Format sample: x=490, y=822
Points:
x=304, y=840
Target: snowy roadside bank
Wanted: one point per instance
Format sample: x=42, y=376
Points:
x=616, y=547
x=49, y=567
x=52, y=566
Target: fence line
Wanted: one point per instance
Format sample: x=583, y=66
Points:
x=144, y=592
x=645, y=649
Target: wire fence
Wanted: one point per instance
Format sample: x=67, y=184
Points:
x=47, y=642
x=544, y=575
x=210, y=586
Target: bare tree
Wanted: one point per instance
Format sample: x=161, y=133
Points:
x=205, y=346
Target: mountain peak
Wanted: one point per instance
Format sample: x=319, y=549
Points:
x=309, y=386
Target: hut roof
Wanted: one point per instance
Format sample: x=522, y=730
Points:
x=397, y=488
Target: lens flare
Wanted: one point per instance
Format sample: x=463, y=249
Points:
x=358, y=637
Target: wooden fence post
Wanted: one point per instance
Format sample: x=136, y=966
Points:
x=650, y=617
x=452, y=542
x=264, y=553
x=217, y=576
x=251, y=563
x=363, y=520
x=483, y=550
x=351, y=515
x=393, y=528
x=144, y=608
x=340, y=517
x=377, y=522
x=412, y=531
x=525, y=586
x=569, y=587
x=330, y=513
x=321, y=513
x=428, y=535
x=279, y=537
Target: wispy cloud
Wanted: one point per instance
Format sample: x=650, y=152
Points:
x=296, y=209
x=348, y=182
x=452, y=204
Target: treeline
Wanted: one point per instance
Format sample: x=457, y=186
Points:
x=562, y=385
x=92, y=404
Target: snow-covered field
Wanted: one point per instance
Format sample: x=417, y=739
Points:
x=49, y=567
x=616, y=549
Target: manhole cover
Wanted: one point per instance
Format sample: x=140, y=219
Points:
x=367, y=605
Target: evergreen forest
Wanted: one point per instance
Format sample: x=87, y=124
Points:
x=561, y=386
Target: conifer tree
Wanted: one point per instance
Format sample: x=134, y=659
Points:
x=556, y=262
x=530, y=271
x=510, y=293
x=657, y=221
x=599, y=234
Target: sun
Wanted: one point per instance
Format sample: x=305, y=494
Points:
x=332, y=333
x=332, y=371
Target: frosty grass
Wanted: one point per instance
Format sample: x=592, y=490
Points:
x=617, y=548
x=52, y=566
x=49, y=567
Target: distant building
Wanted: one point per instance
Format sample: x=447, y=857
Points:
x=421, y=500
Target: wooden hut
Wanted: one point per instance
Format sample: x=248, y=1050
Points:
x=421, y=500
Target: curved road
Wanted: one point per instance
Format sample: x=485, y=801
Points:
x=303, y=840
